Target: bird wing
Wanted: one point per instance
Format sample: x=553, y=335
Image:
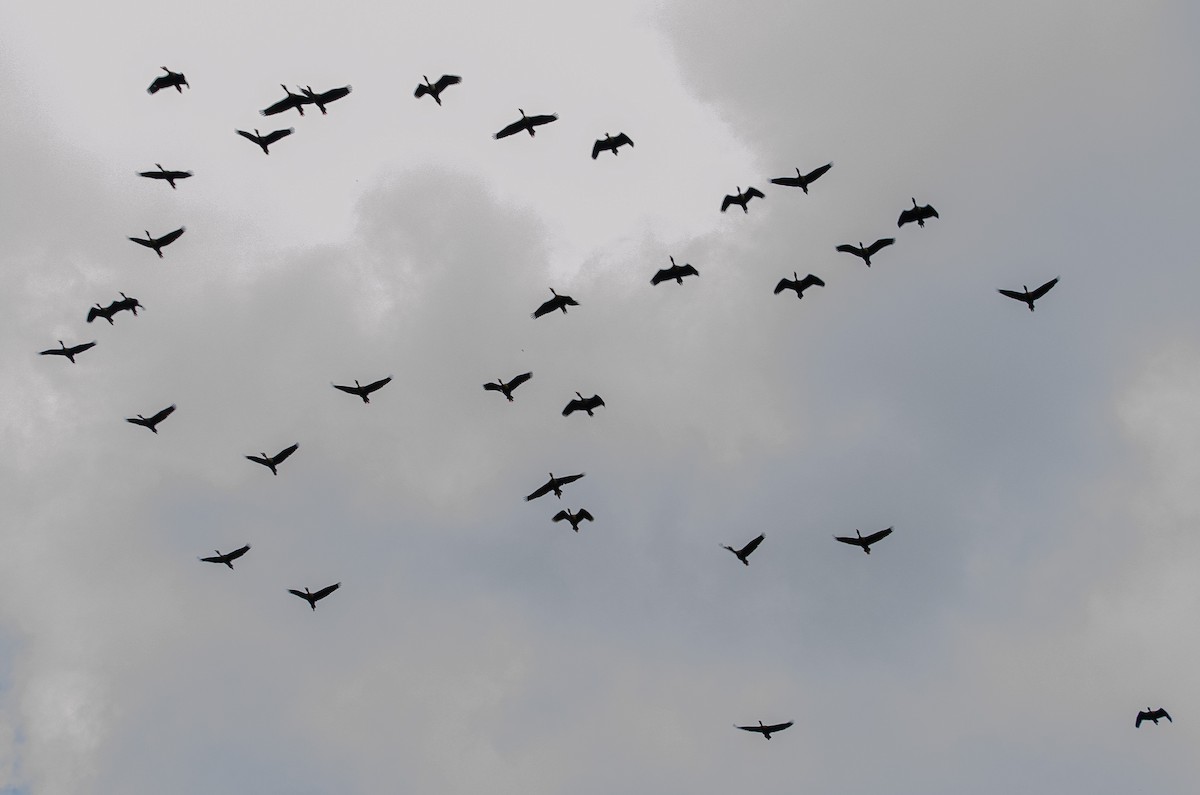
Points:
x=138, y=421
x=279, y=107
x=258, y=460
x=541, y=491
x=817, y=172
x=930, y=212
x=282, y=455
x=380, y=384
x=353, y=390
x=94, y=313
x=1012, y=294
x=217, y=559
x=907, y=216
x=663, y=275
x=853, y=541
x=328, y=589
x=334, y=94
x=871, y=539
x=569, y=479
x=793, y=182
x=154, y=174
x=545, y=308
x=446, y=80
x=778, y=727
x=849, y=249
x=621, y=138
x=251, y=137
x=143, y=241
x=545, y=118
x=237, y=553
x=688, y=270
x=752, y=192
x=810, y=280
x=159, y=83
x=759, y=729
x=1045, y=288
x=1164, y=714
x=301, y=594
x=511, y=129
x=785, y=284
x=274, y=136
x=162, y=415
x=597, y=148
x=1141, y=716
x=489, y=386
x=52, y=351
x=583, y=513
x=81, y=347
x=422, y=90
x=517, y=380
x=558, y=517
x=882, y=242
x=170, y=237
x=753, y=545
x=568, y=300
x=728, y=201
x=574, y=405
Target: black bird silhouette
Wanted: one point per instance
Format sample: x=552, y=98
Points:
x=866, y=253
x=169, y=80
x=918, y=214
x=610, y=144
x=158, y=243
x=162, y=173
x=70, y=353
x=325, y=97
x=507, y=389
x=865, y=543
x=1029, y=296
x=297, y=101
x=1154, y=715
x=265, y=140
x=228, y=558
x=574, y=518
x=435, y=89
x=584, y=404
x=363, y=391
x=741, y=199
x=557, y=302
x=745, y=551
x=272, y=461
x=554, y=485
x=676, y=272
x=802, y=181
x=526, y=123
x=765, y=731
x=313, y=598
x=107, y=312
x=152, y=421
x=798, y=284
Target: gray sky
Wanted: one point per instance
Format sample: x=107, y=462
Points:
x=1039, y=469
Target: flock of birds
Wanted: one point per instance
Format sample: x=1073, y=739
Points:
x=918, y=214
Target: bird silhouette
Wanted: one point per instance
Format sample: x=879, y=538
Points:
x=765, y=731
x=325, y=97
x=741, y=199
x=227, y=558
x=1151, y=715
x=171, y=79
x=526, y=123
x=864, y=541
x=676, y=272
x=152, y=421
x=581, y=515
x=162, y=173
x=313, y=598
x=272, y=461
x=70, y=353
x=554, y=485
x=802, y=181
x=557, y=302
x=798, y=284
x=583, y=404
x=507, y=389
x=363, y=391
x=265, y=140
x=918, y=214
x=297, y=101
x=158, y=243
x=610, y=144
x=1029, y=296
x=435, y=89
x=866, y=253
x=107, y=312
x=745, y=551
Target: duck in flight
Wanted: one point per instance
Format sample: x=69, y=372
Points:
x=313, y=598
x=526, y=124
x=1029, y=296
x=507, y=389
x=272, y=461
x=581, y=515
x=865, y=542
x=265, y=141
x=1151, y=715
x=435, y=89
x=168, y=175
x=676, y=272
x=866, y=252
x=741, y=199
x=152, y=421
x=171, y=79
x=364, y=391
x=802, y=181
x=69, y=353
x=158, y=243
x=798, y=284
x=583, y=404
x=765, y=731
x=557, y=302
x=227, y=558
x=554, y=485
x=744, y=553
x=610, y=144
x=918, y=214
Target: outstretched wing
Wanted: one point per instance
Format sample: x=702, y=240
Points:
x=849, y=249
x=728, y=201
x=753, y=545
x=853, y=541
x=753, y=192
x=620, y=139
x=250, y=137
x=569, y=479
x=162, y=415
x=517, y=380
x=447, y=80
x=301, y=594
x=871, y=539
x=663, y=275
x=793, y=182
x=328, y=589
x=882, y=242
x=688, y=270
x=541, y=491
x=170, y=237
x=353, y=390
x=785, y=284
x=279, y=107
x=817, y=172
x=908, y=216
x=138, y=421
x=545, y=118
x=560, y=516
x=81, y=347
x=333, y=94
x=375, y=385
x=582, y=513
x=217, y=559
x=511, y=129
x=94, y=313
x=274, y=136
x=491, y=387
x=143, y=242
x=759, y=729
x=237, y=553
x=545, y=308
x=597, y=148
x=1012, y=294
x=778, y=727
x=810, y=281
x=258, y=460
x=1141, y=716
x=282, y=455
x=1045, y=288
x=574, y=405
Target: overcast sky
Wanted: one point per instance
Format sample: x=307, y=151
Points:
x=1039, y=469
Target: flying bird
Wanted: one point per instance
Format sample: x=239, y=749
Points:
x=265, y=140
x=802, y=181
x=507, y=389
x=70, y=353
x=745, y=551
x=798, y=284
x=610, y=144
x=554, y=485
x=272, y=461
x=581, y=515
x=324, y=98
x=107, y=312
x=918, y=214
x=866, y=253
x=152, y=421
x=676, y=272
x=765, y=731
x=162, y=173
x=297, y=101
x=228, y=558
x=158, y=243
x=741, y=199
x=1029, y=296
x=557, y=302
x=313, y=598
x=169, y=80
x=435, y=89
x=526, y=123
x=584, y=404
x=864, y=542
x=1154, y=715
x=363, y=391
